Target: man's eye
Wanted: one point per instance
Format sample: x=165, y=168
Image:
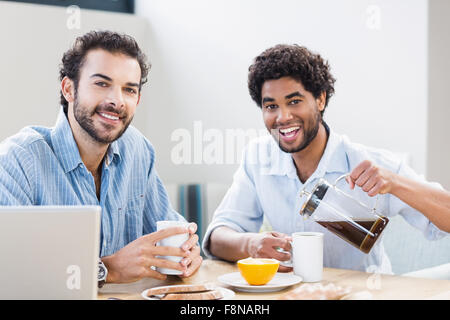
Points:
x=296, y=101
x=131, y=90
x=271, y=106
x=101, y=84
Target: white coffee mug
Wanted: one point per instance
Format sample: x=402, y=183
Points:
x=306, y=255
x=173, y=241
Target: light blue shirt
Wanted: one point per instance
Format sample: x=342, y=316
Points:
x=42, y=166
x=266, y=185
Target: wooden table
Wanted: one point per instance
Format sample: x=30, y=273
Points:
x=380, y=286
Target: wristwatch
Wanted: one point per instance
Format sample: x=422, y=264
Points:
x=102, y=273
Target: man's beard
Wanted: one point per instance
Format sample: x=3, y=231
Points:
x=308, y=135
x=84, y=119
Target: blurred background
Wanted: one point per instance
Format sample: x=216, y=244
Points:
x=390, y=59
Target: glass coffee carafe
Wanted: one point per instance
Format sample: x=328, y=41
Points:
x=343, y=215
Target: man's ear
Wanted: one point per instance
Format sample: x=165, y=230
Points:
x=68, y=89
x=321, y=101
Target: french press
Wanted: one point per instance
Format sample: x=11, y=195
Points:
x=343, y=215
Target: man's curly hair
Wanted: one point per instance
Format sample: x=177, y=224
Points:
x=291, y=61
x=113, y=42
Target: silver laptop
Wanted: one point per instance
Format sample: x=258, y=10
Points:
x=49, y=252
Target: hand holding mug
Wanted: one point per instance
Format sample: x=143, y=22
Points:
x=266, y=244
x=192, y=260
x=141, y=257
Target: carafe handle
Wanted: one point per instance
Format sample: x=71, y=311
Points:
x=374, y=209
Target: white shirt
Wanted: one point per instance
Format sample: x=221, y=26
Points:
x=266, y=185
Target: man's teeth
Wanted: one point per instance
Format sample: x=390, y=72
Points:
x=288, y=130
x=108, y=116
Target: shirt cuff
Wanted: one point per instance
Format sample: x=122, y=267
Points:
x=434, y=233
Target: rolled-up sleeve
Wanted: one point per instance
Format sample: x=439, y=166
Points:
x=411, y=215
x=240, y=209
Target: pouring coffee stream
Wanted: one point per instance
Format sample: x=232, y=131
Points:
x=343, y=215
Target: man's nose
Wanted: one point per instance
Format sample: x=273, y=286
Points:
x=115, y=97
x=284, y=114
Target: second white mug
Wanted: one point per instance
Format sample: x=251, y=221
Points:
x=307, y=255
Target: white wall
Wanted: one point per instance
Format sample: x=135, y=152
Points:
x=33, y=40
x=201, y=51
x=439, y=112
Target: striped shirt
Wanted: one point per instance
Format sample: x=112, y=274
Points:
x=42, y=166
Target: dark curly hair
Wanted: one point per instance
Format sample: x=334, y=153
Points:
x=291, y=61
x=113, y=42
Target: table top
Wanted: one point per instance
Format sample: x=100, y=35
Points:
x=385, y=287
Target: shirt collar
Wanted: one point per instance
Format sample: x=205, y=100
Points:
x=334, y=159
x=66, y=149
x=113, y=152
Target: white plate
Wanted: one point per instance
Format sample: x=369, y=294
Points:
x=226, y=293
x=278, y=282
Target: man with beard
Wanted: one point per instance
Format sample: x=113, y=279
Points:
x=293, y=86
x=93, y=157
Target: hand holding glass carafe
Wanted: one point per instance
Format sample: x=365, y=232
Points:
x=343, y=215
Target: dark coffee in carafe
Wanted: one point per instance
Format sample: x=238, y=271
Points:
x=360, y=233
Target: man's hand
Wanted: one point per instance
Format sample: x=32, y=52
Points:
x=432, y=202
x=192, y=260
x=265, y=245
x=371, y=178
x=135, y=261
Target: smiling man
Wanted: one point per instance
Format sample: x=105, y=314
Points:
x=94, y=157
x=293, y=86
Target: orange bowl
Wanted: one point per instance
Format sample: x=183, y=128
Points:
x=258, y=271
